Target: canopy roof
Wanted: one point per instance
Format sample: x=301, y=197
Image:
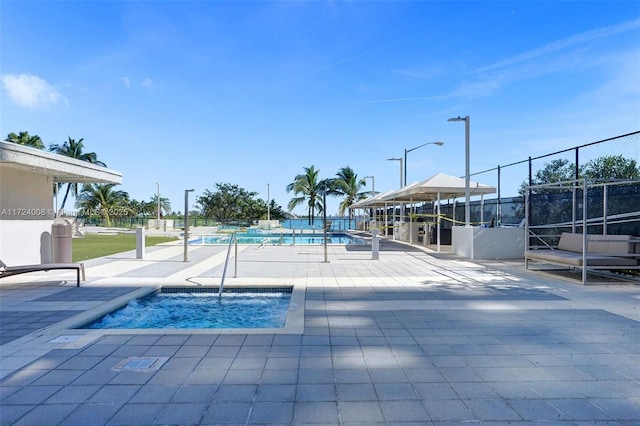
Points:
x=61, y=168
x=373, y=201
x=441, y=184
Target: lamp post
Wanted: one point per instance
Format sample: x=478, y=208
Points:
x=158, y=196
x=268, y=205
x=413, y=149
x=373, y=184
x=186, y=224
x=467, y=193
x=324, y=187
x=400, y=160
x=394, y=206
x=373, y=193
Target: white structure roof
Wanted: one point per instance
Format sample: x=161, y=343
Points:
x=61, y=168
x=445, y=185
x=372, y=201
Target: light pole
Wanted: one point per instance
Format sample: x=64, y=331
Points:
x=158, y=196
x=373, y=184
x=268, y=204
x=394, y=205
x=186, y=224
x=413, y=149
x=400, y=160
x=467, y=193
x=373, y=193
x=324, y=187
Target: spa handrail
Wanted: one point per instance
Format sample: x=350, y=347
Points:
x=226, y=262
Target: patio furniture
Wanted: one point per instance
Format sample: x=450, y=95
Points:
x=604, y=252
x=7, y=271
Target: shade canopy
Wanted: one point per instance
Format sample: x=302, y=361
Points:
x=440, y=186
x=373, y=201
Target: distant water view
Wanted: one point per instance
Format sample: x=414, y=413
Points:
x=337, y=223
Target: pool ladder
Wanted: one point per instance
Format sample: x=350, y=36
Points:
x=226, y=262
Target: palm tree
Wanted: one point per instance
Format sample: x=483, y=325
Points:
x=74, y=149
x=102, y=199
x=347, y=185
x=24, y=138
x=137, y=208
x=307, y=188
x=165, y=205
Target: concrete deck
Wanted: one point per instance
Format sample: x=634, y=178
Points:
x=412, y=338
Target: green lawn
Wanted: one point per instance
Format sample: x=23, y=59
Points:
x=91, y=246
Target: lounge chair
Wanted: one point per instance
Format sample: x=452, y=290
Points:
x=7, y=271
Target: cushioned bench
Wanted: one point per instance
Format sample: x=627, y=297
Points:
x=603, y=252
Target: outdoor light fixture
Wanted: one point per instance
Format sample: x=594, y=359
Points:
x=325, y=185
x=158, y=195
x=413, y=149
x=373, y=184
x=373, y=190
x=400, y=160
x=186, y=224
x=467, y=193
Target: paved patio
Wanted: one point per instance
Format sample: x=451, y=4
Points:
x=412, y=338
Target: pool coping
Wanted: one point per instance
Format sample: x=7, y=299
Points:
x=79, y=337
x=276, y=233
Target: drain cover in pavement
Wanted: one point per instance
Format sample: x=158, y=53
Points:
x=140, y=364
x=65, y=339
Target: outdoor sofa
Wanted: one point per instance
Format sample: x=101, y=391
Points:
x=604, y=252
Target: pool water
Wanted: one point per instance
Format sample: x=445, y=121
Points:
x=278, y=239
x=200, y=310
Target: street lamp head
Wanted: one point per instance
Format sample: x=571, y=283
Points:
x=424, y=144
x=394, y=159
x=467, y=195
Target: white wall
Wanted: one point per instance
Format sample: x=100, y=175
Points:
x=25, y=195
x=488, y=243
x=22, y=241
x=25, y=214
x=163, y=224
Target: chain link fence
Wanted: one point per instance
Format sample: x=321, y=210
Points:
x=510, y=210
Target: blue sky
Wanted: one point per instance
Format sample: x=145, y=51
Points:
x=189, y=94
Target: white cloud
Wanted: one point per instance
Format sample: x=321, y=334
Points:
x=126, y=81
x=31, y=91
x=147, y=83
x=555, y=46
x=544, y=61
x=422, y=72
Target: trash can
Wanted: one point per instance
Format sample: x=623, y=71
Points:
x=61, y=233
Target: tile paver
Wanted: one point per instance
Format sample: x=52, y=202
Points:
x=414, y=338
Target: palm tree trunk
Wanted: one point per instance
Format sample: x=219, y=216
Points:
x=64, y=200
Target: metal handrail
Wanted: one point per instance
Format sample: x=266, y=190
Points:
x=226, y=262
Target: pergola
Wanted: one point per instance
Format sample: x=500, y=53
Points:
x=438, y=187
x=372, y=202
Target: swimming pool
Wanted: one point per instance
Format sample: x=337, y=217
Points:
x=278, y=239
x=200, y=308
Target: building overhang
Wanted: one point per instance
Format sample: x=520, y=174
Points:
x=62, y=169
